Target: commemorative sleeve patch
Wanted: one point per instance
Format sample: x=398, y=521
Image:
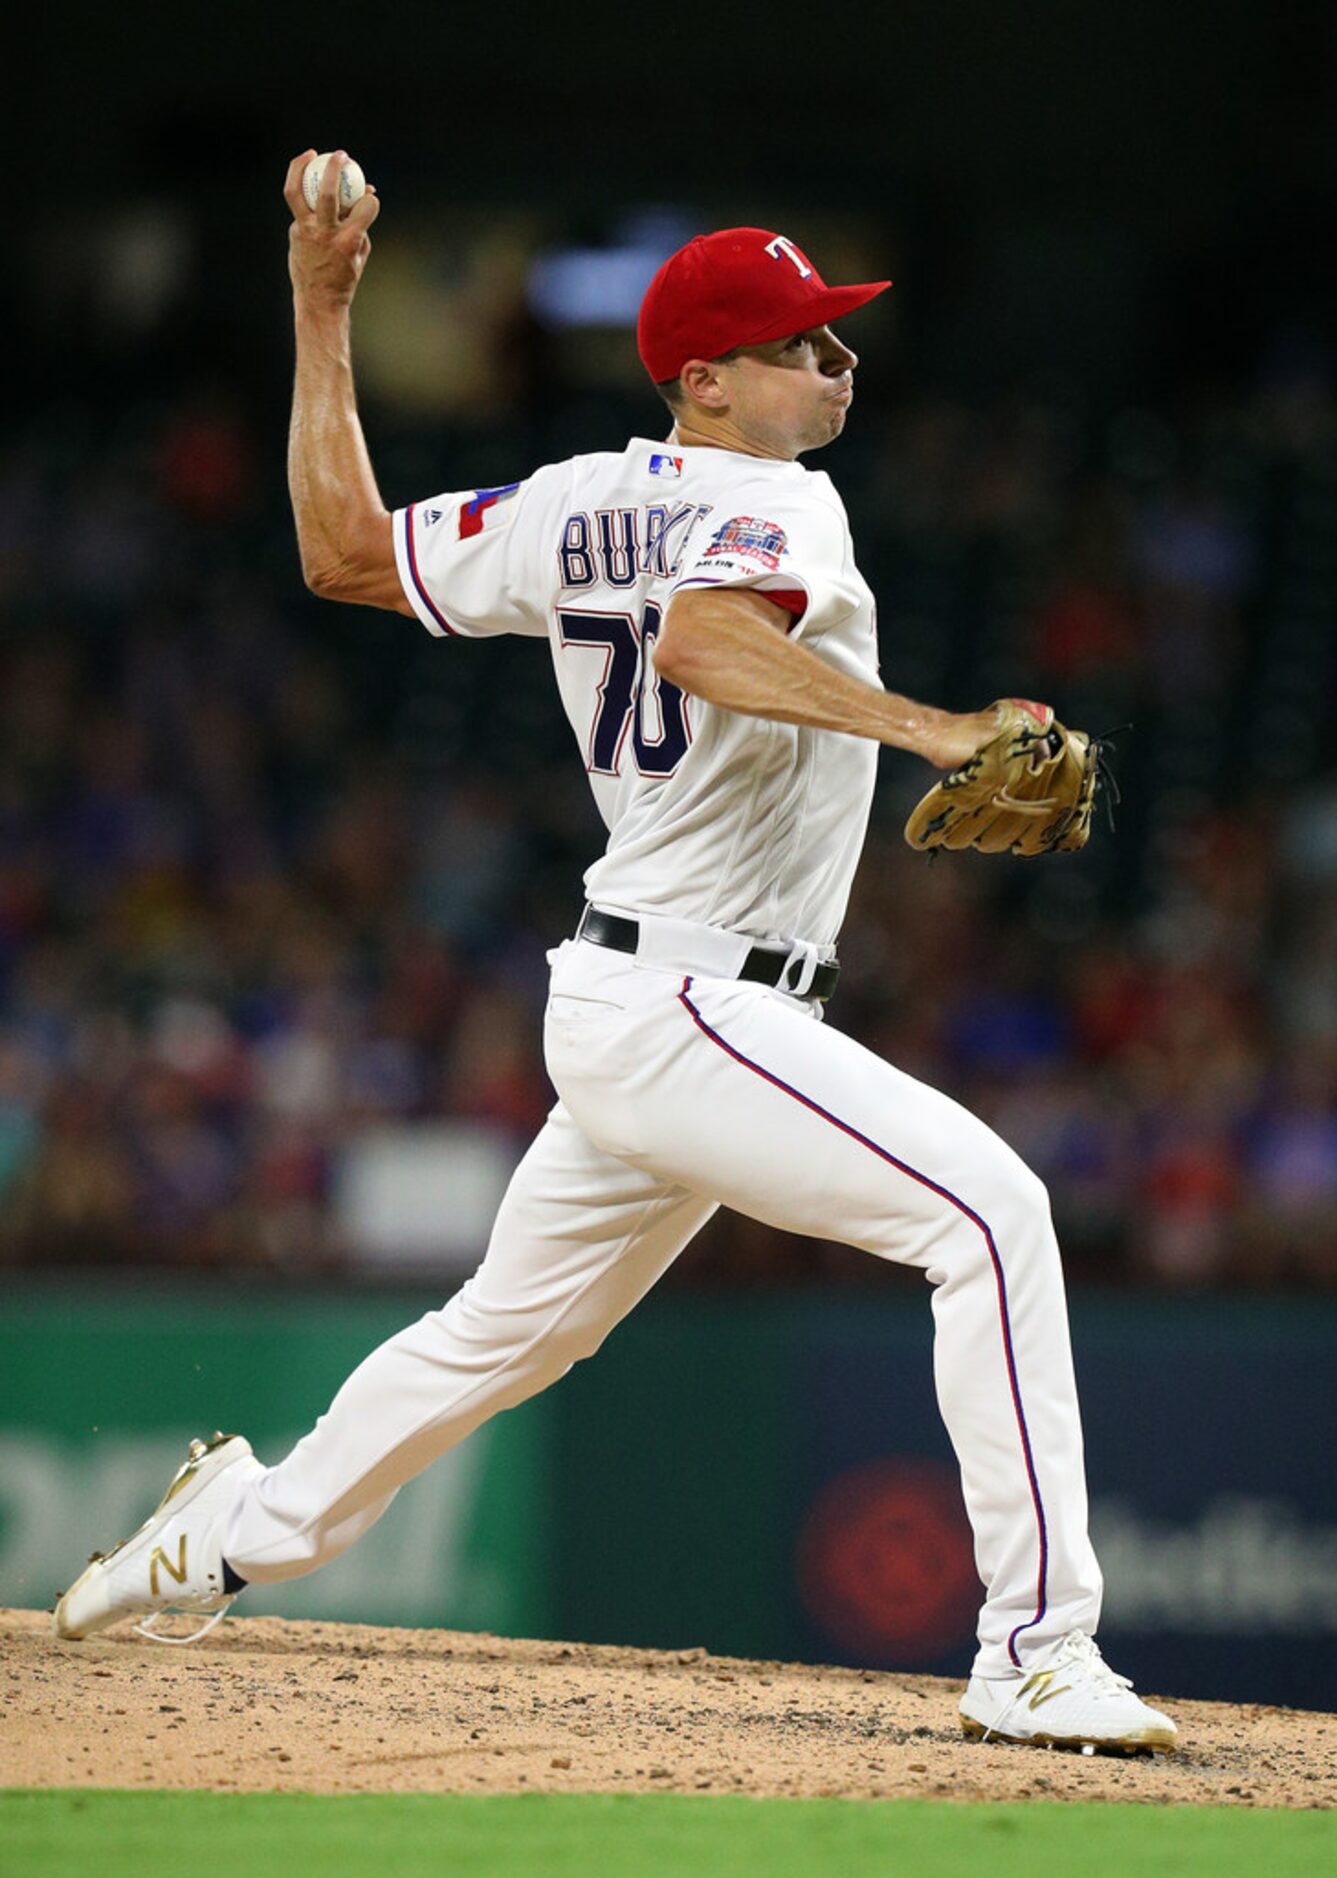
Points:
x=748, y=537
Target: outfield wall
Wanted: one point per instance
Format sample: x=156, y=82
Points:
x=760, y=1474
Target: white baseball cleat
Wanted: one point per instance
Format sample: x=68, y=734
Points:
x=175, y=1560
x=1067, y=1698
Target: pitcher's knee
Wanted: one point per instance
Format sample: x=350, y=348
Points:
x=533, y=1347
x=1027, y=1196
x=1001, y=1186
x=1019, y=1212
x=1006, y=1215
x=578, y=1337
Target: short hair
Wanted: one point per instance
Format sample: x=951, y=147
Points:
x=670, y=389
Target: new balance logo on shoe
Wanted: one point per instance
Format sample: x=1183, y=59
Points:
x=1040, y=1682
x=181, y=1546
x=1070, y=1699
x=177, y=1571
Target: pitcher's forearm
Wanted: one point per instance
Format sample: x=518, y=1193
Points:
x=336, y=504
x=744, y=664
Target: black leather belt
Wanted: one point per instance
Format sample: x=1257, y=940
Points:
x=764, y=965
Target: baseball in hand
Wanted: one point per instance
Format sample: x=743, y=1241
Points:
x=352, y=183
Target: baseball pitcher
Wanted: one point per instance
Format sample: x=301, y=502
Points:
x=715, y=650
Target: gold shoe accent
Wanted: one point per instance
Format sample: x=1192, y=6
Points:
x=1141, y=1741
x=159, y=1557
x=197, y=1451
x=1041, y=1682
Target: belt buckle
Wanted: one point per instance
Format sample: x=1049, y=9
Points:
x=799, y=971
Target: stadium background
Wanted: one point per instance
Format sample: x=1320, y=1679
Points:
x=277, y=878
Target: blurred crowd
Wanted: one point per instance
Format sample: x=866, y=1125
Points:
x=274, y=872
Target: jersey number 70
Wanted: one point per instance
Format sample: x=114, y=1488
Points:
x=628, y=684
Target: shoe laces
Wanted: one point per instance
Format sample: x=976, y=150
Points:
x=148, y=1628
x=1083, y=1653
x=1076, y=1651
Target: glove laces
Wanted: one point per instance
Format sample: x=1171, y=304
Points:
x=1107, y=792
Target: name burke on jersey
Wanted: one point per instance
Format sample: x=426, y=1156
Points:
x=618, y=547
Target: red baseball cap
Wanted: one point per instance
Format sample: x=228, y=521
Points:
x=738, y=287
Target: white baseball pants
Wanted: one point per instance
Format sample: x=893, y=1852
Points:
x=680, y=1091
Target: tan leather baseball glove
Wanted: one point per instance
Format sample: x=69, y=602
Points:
x=1029, y=789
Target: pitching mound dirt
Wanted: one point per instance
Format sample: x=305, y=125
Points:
x=342, y=1708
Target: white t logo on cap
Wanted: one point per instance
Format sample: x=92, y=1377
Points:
x=782, y=244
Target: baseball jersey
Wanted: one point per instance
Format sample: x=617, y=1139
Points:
x=715, y=817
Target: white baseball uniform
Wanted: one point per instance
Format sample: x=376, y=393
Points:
x=683, y=1086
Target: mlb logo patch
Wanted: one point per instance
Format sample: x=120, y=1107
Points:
x=665, y=465
x=751, y=538
x=480, y=510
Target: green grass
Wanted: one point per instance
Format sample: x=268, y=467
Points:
x=286, y=1835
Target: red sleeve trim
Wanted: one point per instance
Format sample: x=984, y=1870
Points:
x=792, y=599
